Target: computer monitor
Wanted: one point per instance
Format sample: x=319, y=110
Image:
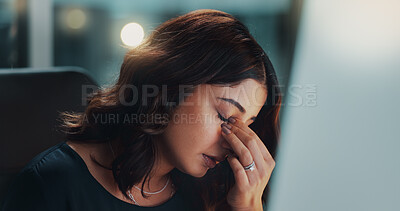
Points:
x=340, y=143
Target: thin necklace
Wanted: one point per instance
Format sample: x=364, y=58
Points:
x=151, y=193
x=134, y=201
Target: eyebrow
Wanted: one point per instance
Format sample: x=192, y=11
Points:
x=235, y=103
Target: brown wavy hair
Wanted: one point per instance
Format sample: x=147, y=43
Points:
x=200, y=47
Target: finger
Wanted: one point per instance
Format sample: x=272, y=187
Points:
x=249, y=138
x=251, y=143
x=237, y=123
x=237, y=145
x=244, y=154
x=241, y=177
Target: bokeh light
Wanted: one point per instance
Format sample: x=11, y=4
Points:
x=76, y=18
x=132, y=34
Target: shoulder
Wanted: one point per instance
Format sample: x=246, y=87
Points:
x=41, y=183
x=27, y=181
x=55, y=162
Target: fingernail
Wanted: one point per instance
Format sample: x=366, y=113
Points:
x=226, y=125
x=225, y=129
x=231, y=120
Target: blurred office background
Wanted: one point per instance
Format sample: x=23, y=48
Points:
x=337, y=152
x=94, y=35
x=87, y=33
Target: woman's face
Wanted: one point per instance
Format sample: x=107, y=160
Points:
x=195, y=130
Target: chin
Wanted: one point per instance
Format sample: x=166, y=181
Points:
x=198, y=172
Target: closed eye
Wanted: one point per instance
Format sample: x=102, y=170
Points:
x=222, y=118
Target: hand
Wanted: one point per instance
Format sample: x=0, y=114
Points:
x=247, y=192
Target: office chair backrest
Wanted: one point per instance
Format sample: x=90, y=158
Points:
x=30, y=102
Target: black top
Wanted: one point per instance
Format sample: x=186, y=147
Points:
x=58, y=179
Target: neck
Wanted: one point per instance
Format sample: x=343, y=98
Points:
x=160, y=172
x=161, y=169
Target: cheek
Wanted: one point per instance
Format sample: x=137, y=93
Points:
x=194, y=136
x=200, y=127
x=187, y=142
x=208, y=135
x=199, y=136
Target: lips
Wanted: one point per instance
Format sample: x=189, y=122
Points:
x=210, y=162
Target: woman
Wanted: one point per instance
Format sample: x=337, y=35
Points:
x=185, y=127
